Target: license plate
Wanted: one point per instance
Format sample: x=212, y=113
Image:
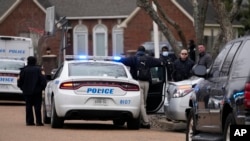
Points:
x=101, y=101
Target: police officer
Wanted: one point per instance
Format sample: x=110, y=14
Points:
x=32, y=82
x=182, y=66
x=168, y=60
x=204, y=57
x=144, y=84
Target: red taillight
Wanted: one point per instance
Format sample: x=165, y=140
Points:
x=247, y=96
x=67, y=85
x=76, y=85
x=129, y=87
x=9, y=74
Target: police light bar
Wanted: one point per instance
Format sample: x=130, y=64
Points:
x=83, y=57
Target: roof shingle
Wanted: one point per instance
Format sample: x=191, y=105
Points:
x=90, y=8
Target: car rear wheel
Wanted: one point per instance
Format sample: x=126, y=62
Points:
x=118, y=122
x=134, y=123
x=56, y=122
x=46, y=119
x=229, y=121
x=191, y=131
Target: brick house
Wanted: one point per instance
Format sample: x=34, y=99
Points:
x=95, y=27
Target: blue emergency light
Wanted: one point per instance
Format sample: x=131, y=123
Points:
x=84, y=57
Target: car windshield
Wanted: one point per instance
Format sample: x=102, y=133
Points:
x=11, y=65
x=96, y=69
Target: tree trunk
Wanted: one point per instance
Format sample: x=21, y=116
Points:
x=225, y=20
x=147, y=6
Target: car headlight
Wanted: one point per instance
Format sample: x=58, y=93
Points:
x=182, y=91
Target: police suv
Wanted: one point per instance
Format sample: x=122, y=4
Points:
x=96, y=89
x=221, y=102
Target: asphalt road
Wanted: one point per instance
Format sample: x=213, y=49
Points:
x=13, y=128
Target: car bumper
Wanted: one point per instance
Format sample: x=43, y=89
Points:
x=175, y=108
x=72, y=106
x=11, y=96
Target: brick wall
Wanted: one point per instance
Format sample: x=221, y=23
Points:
x=27, y=14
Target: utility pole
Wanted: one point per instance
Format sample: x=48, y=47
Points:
x=156, y=36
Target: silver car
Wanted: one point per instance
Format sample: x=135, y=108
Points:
x=177, y=98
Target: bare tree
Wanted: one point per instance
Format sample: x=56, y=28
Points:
x=227, y=11
x=146, y=5
x=172, y=23
x=199, y=14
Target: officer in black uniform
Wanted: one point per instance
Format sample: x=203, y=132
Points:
x=32, y=82
x=168, y=59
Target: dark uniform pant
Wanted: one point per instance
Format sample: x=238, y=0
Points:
x=36, y=101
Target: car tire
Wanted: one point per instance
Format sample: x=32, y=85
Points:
x=134, y=123
x=46, y=119
x=191, y=124
x=118, y=122
x=56, y=122
x=229, y=121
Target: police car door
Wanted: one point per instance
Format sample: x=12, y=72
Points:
x=156, y=94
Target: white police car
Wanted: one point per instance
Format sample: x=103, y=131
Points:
x=92, y=89
x=9, y=72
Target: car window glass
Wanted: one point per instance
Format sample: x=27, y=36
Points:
x=241, y=65
x=157, y=74
x=58, y=72
x=11, y=65
x=96, y=69
x=214, y=72
x=228, y=61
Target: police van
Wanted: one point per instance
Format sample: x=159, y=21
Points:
x=13, y=54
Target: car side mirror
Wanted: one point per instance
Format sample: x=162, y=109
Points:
x=53, y=72
x=199, y=70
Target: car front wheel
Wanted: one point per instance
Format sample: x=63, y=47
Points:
x=229, y=121
x=191, y=131
x=56, y=122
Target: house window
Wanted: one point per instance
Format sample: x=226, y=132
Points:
x=118, y=47
x=100, y=40
x=80, y=40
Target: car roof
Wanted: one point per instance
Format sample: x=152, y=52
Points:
x=94, y=61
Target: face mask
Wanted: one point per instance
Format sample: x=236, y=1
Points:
x=165, y=53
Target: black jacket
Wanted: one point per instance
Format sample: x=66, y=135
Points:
x=132, y=63
x=169, y=62
x=205, y=59
x=182, y=69
x=31, y=80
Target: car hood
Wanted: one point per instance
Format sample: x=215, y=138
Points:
x=191, y=81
